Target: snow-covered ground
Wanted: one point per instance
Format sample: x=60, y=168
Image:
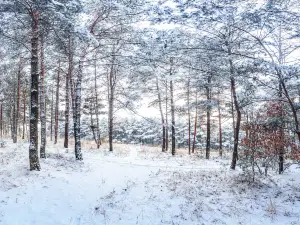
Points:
x=137, y=186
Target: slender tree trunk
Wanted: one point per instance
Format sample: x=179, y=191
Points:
x=167, y=122
x=14, y=116
x=232, y=111
x=173, y=118
x=67, y=108
x=24, y=113
x=10, y=112
x=97, y=137
x=162, y=117
x=281, y=147
x=57, y=103
x=1, y=120
x=42, y=103
x=189, y=116
x=110, y=111
x=17, y=114
x=33, y=147
x=208, y=95
x=195, y=125
x=220, y=127
x=92, y=120
x=238, y=123
x=111, y=98
x=77, y=133
x=51, y=119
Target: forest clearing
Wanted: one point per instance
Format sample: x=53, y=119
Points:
x=137, y=186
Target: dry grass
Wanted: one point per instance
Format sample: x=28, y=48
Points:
x=125, y=148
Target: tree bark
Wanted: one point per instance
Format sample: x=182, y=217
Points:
x=281, y=148
x=67, y=99
x=34, y=96
x=208, y=109
x=57, y=103
x=51, y=117
x=167, y=122
x=24, y=113
x=220, y=127
x=173, y=118
x=14, y=116
x=77, y=133
x=1, y=120
x=111, y=98
x=42, y=103
x=110, y=110
x=238, y=122
x=97, y=136
x=195, y=125
x=189, y=116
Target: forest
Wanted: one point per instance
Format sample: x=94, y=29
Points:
x=175, y=106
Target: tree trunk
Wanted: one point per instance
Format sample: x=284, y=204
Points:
x=14, y=116
x=173, y=117
x=42, y=103
x=33, y=147
x=220, y=128
x=77, y=133
x=162, y=117
x=51, y=117
x=17, y=113
x=110, y=110
x=1, y=121
x=195, y=125
x=238, y=122
x=67, y=108
x=189, y=116
x=97, y=137
x=111, y=98
x=24, y=113
x=208, y=109
x=281, y=147
x=57, y=103
x=167, y=122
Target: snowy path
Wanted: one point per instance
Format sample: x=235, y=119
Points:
x=132, y=189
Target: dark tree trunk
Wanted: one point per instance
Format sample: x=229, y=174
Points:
x=34, y=96
x=51, y=117
x=195, y=125
x=77, y=113
x=167, y=122
x=57, y=103
x=220, y=128
x=281, y=148
x=17, y=111
x=208, y=109
x=189, y=116
x=97, y=135
x=1, y=120
x=111, y=98
x=110, y=111
x=24, y=113
x=67, y=108
x=42, y=103
x=238, y=123
x=173, y=118
x=14, y=116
